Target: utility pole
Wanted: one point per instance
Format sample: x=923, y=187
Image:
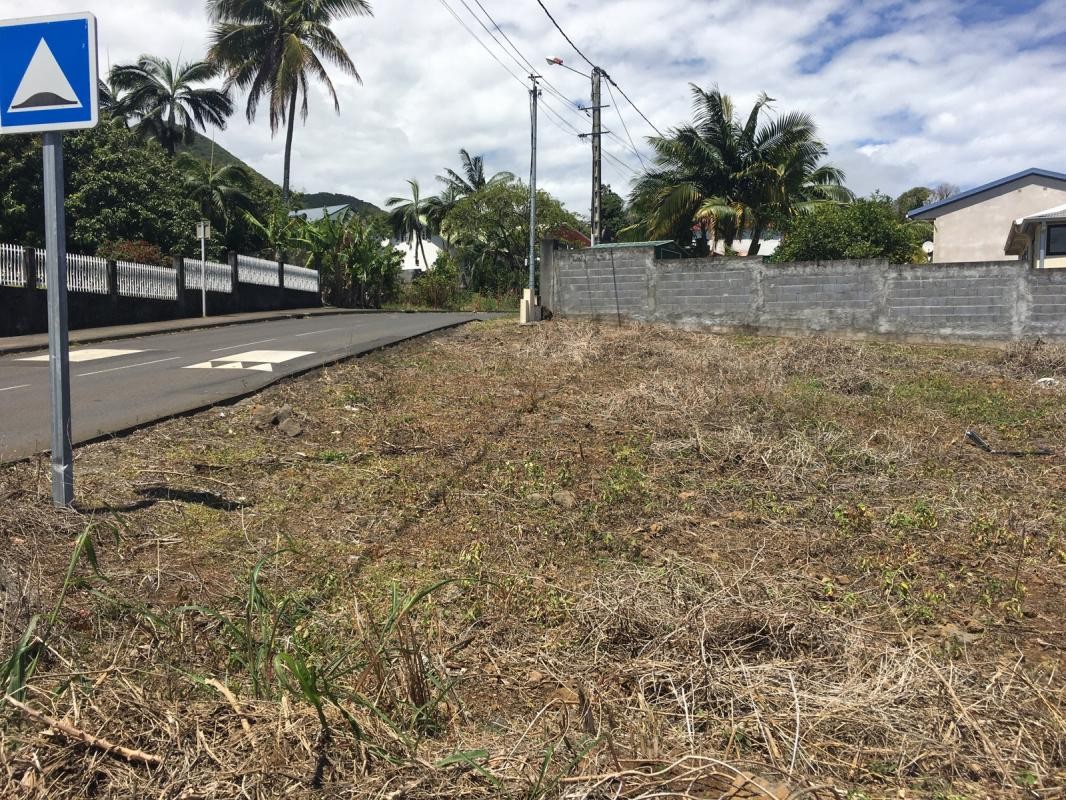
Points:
x=534, y=93
x=597, y=156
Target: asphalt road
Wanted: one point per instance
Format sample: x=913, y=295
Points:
x=119, y=385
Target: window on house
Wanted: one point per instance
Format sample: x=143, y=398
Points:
x=1056, y=240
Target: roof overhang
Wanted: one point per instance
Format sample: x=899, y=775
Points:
x=1023, y=229
x=934, y=210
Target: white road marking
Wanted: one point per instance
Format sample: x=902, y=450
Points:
x=312, y=333
x=12, y=388
x=88, y=354
x=246, y=344
x=258, y=360
x=269, y=356
x=129, y=366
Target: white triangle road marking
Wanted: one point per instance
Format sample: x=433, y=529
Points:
x=44, y=87
x=268, y=356
x=88, y=354
x=219, y=364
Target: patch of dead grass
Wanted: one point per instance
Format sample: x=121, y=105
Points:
x=668, y=564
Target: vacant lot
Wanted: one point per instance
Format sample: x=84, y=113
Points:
x=565, y=561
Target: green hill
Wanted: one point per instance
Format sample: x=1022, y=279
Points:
x=360, y=207
x=203, y=148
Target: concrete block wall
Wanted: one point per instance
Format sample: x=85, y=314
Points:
x=998, y=300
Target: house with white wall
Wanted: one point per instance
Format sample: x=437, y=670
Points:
x=971, y=225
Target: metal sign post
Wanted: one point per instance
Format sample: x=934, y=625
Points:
x=203, y=233
x=55, y=240
x=48, y=84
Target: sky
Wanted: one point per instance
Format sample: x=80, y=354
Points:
x=908, y=93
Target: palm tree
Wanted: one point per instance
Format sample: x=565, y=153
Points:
x=473, y=178
x=221, y=193
x=408, y=218
x=725, y=174
x=457, y=186
x=273, y=48
x=164, y=99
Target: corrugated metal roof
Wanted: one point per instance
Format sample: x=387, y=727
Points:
x=315, y=214
x=923, y=212
x=1058, y=212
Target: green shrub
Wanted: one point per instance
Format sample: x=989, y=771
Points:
x=437, y=287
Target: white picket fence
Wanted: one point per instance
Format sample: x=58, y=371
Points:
x=145, y=280
x=12, y=268
x=89, y=274
x=219, y=276
x=257, y=270
x=301, y=279
x=86, y=274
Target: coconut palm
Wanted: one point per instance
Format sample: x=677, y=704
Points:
x=166, y=101
x=725, y=174
x=220, y=192
x=274, y=48
x=473, y=177
x=408, y=218
x=459, y=185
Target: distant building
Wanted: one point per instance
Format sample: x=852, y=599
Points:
x=315, y=214
x=970, y=226
x=432, y=245
x=767, y=247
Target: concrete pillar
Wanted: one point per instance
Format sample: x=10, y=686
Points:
x=112, y=287
x=529, y=308
x=281, y=283
x=234, y=281
x=29, y=266
x=547, y=272
x=179, y=278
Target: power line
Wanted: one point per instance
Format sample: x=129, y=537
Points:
x=559, y=28
x=610, y=80
x=478, y=39
x=528, y=64
x=619, y=161
x=624, y=126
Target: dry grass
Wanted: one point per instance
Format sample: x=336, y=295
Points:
x=572, y=561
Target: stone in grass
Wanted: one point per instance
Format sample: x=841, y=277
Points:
x=290, y=427
x=564, y=498
x=262, y=416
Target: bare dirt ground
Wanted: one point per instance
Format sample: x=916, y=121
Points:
x=573, y=561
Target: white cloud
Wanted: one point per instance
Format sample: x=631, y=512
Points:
x=905, y=93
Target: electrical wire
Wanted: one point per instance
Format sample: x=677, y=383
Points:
x=528, y=64
x=478, y=39
x=612, y=82
x=624, y=126
x=588, y=61
x=569, y=41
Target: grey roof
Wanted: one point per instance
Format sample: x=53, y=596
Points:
x=315, y=214
x=924, y=211
x=1058, y=212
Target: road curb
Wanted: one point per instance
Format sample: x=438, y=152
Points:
x=372, y=347
x=210, y=322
